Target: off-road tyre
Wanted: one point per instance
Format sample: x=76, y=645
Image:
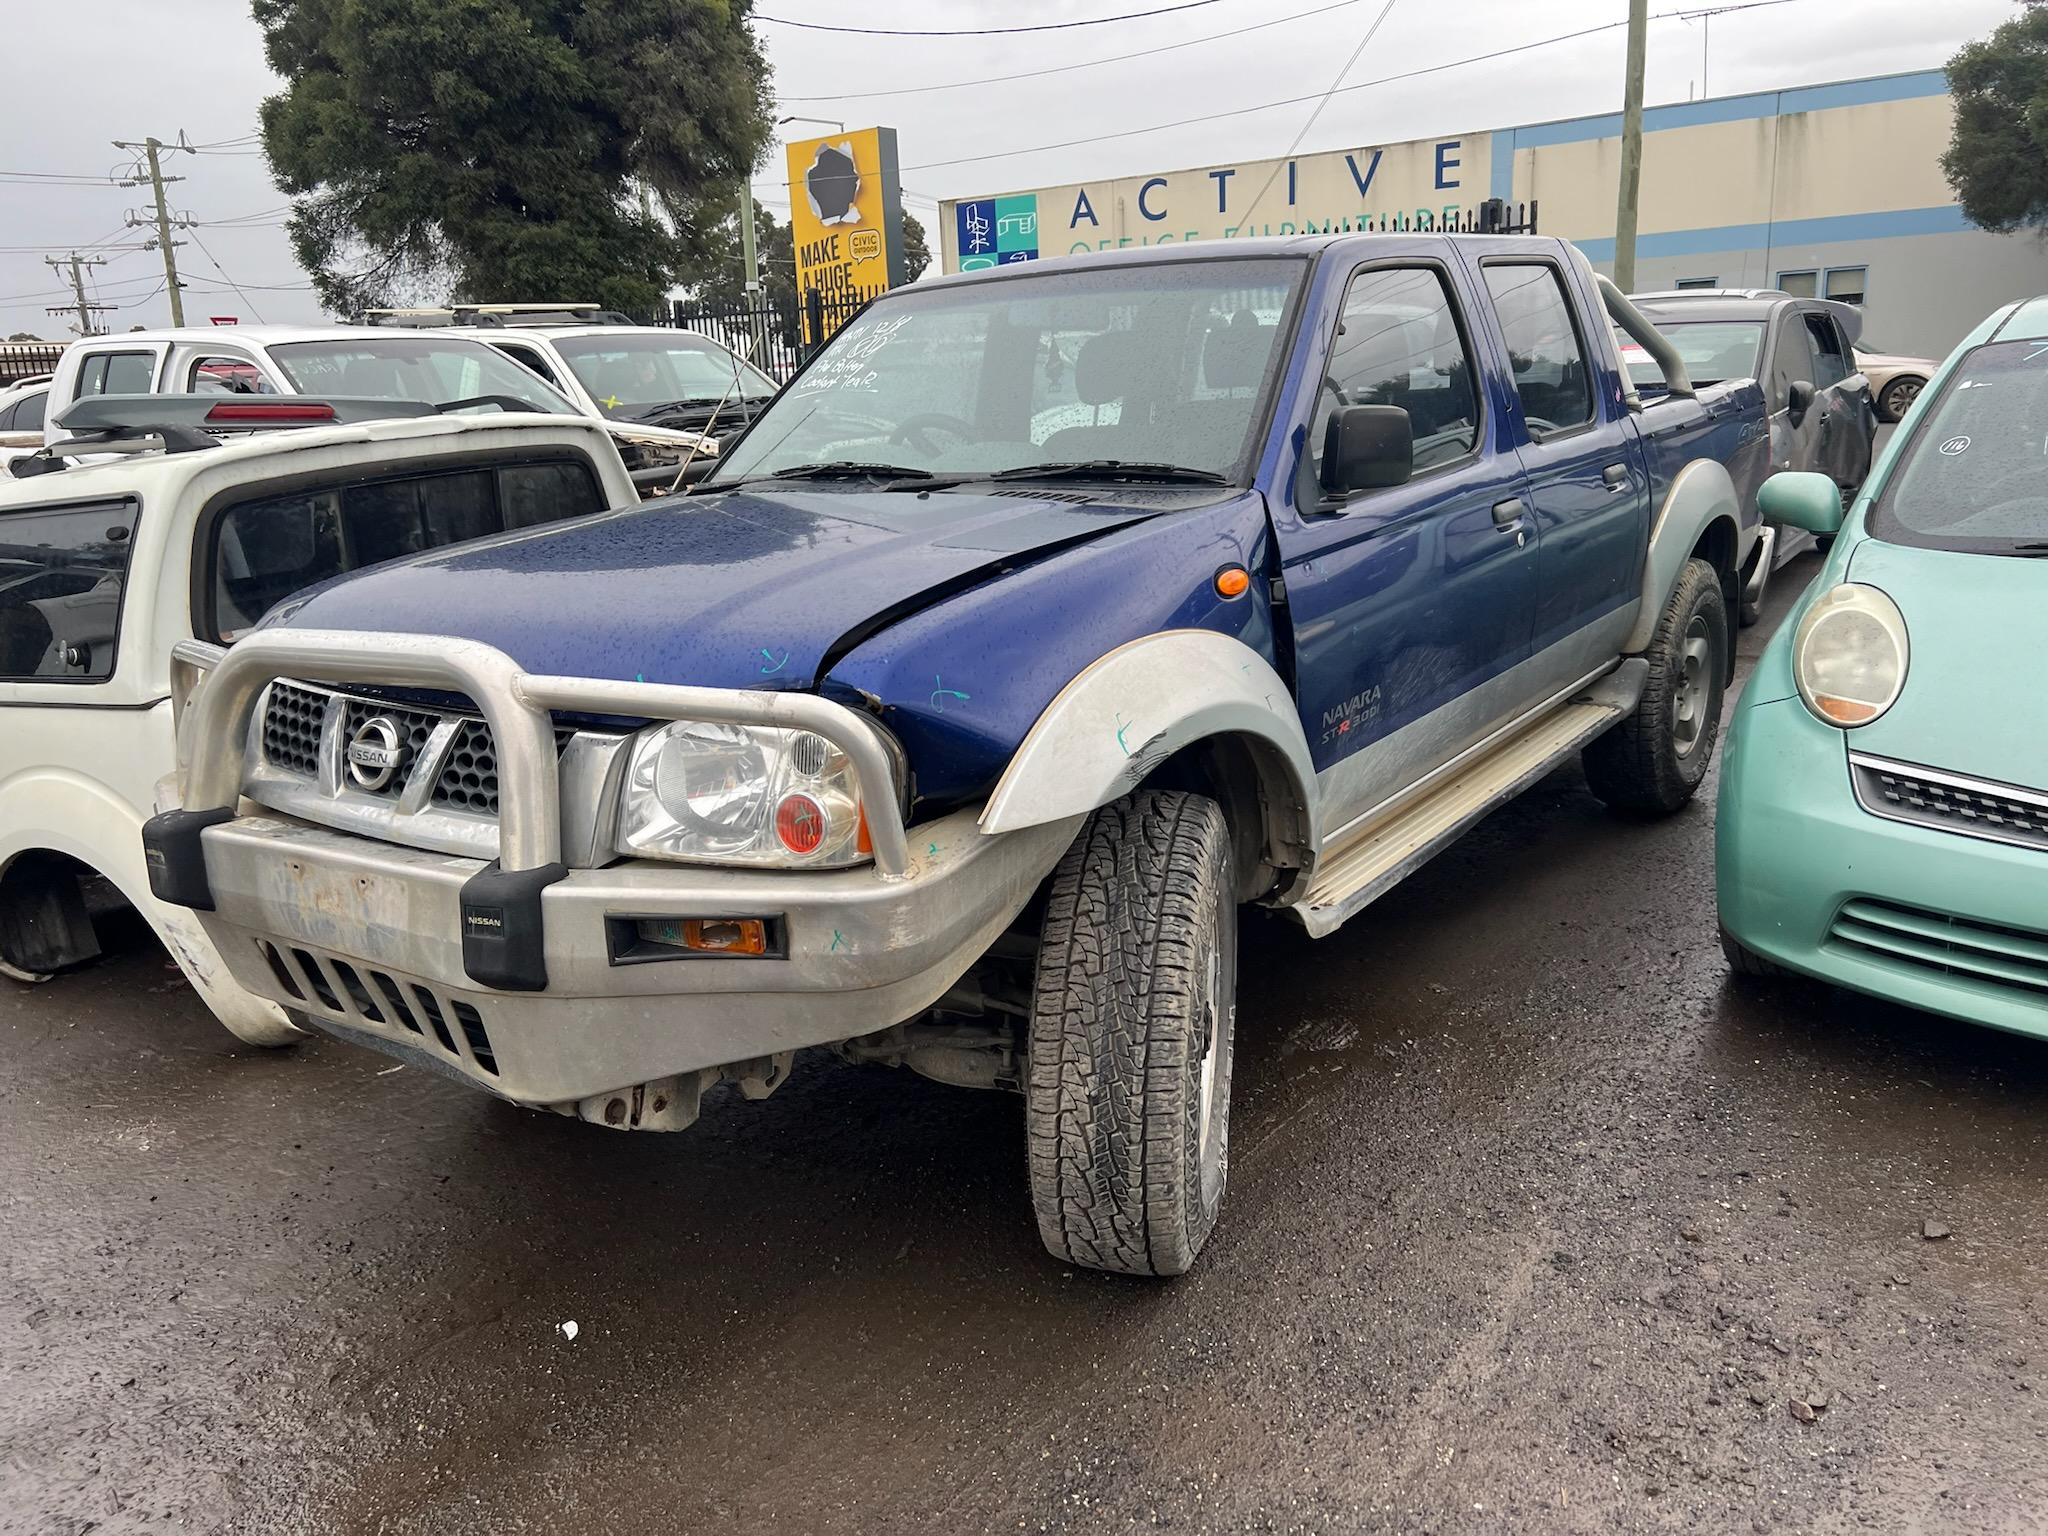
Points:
x=1652, y=762
x=1746, y=962
x=1135, y=994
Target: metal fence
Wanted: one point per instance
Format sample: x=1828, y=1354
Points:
x=25, y=359
x=774, y=334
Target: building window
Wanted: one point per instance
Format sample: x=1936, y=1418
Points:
x=1698, y=282
x=1801, y=285
x=1846, y=284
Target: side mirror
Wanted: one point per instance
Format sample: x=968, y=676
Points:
x=1799, y=397
x=1799, y=498
x=1366, y=447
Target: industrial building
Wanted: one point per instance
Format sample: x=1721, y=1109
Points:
x=1832, y=190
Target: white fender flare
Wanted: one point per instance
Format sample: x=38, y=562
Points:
x=1132, y=709
x=1700, y=493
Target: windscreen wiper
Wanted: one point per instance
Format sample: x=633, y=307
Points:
x=1114, y=469
x=664, y=407
x=2034, y=547
x=845, y=469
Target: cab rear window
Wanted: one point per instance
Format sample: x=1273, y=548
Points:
x=268, y=548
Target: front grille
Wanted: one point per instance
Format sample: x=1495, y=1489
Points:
x=467, y=778
x=291, y=728
x=1927, y=797
x=372, y=999
x=2010, y=961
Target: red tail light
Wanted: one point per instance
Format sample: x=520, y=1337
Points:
x=271, y=410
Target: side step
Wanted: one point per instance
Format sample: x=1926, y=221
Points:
x=1386, y=852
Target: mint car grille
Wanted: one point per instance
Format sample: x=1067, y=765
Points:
x=1928, y=797
x=2010, y=960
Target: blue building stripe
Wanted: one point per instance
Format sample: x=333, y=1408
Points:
x=1735, y=109
x=1503, y=158
x=1789, y=233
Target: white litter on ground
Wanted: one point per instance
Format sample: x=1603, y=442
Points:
x=568, y=1329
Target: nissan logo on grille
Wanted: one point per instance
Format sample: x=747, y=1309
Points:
x=375, y=753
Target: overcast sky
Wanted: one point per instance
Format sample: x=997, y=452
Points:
x=76, y=78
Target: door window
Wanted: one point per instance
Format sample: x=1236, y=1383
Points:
x=226, y=375
x=1399, y=343
x=266, y=549
x=1549, y=363
x=62, y=571
x=28, y=411
x=529, y=357
x=1830, y=360
x=116, y=373
x=1791, y=361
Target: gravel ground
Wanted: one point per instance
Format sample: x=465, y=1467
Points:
x=1538, y=1222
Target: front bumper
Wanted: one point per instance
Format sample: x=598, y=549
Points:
x=365, y=937
x=1810, y=880
x=511, y=972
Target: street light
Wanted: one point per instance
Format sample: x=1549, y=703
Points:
x=833, y=121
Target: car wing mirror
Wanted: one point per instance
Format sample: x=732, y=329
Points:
x=1799, y=398
x=1798, y=498
x=1366, y=447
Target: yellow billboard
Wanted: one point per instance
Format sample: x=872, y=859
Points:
x=846, y=213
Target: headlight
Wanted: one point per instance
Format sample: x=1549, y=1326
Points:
x=741, y=794
x=645, y=452
x=1849, y=655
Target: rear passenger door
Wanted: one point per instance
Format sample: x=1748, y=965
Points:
x=110, y=369
x=1410, y=604
x=1795, y=435
x=1588, y=492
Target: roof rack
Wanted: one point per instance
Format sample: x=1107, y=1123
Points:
x=497, y=315
x=102, y=424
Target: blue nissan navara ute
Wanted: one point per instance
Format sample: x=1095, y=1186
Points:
x=1046, y=617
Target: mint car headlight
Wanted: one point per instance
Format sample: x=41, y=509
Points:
x=741, y=794
x=1849, y=655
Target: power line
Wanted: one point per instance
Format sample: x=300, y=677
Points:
x=1045, y=26
x=1323, y=101
x=1063, y=69
x=1362, y=85
x=223, y=271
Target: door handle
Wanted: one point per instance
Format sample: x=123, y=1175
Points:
x=1616, y=476
x=1508, y=514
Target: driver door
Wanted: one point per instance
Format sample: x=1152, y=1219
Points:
x=1411, y=604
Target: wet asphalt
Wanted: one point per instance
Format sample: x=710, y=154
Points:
x=1538, y=1221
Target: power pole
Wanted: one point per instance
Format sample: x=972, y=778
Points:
x=152, y=148
x=1631, y=148
x=757, y=323
x=84, y=307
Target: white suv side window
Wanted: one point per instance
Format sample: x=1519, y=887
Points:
x=116, y=373
x=62, y=572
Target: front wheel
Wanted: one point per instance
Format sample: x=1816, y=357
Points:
x=1652, y=762
x=1898, y=398
x=1127, y=1095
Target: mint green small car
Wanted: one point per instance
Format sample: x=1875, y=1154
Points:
x=1883, y=817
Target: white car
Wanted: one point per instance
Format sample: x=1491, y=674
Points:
x=105, y=566
x=21, y=414
x=640, y=377
x=448, y=371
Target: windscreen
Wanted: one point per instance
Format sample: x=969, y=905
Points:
x=1713, y=351
x=635, y=376
x=1161, y=364
x=1975, y=477
x=439, y=372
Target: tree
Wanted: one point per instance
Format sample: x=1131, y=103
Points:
x=498, y=149
x=1997, y=159
x=916, y=254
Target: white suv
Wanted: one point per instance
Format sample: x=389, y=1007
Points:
x=107, y=566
